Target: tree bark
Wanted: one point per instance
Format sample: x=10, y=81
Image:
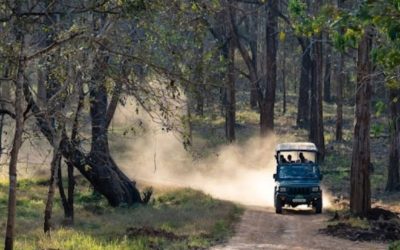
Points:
x=253, y=22
x=327, y=73
x=339, y=99
x=303, y=104
x=63, y=196
x=106, y=177
x=268, y=104
x=284, y=89
x=316, y=134
x=230, y=113
x=17, y=142
x=393, y=181
x=54, y=174
x=360, y=193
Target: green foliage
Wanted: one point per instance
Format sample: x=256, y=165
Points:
x=201, y=220
x=377, y=129
x=394, y=245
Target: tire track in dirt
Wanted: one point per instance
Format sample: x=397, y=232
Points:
x=261, y=228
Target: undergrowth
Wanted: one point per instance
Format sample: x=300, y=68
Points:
x=197, y=220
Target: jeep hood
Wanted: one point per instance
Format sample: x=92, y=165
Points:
x=299, y=183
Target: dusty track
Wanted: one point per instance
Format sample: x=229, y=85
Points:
x=261, y=228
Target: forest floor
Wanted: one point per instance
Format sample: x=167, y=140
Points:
x=261, y=228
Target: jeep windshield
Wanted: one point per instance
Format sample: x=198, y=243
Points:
x=287, y=157
x=298, y=172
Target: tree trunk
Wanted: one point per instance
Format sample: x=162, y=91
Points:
x=360, y=193
x=327, y=73
x=63, y=196
x=316, y=116
x=268, y=104
x=98, y=167
x=339, y=89
x=106, y=177
x=17, y=142
x=393, y=181
x=339, y=99
x=230, y=113
x=3, y=96
x=71, y=189
x=284, y=89
x=253, y=46
x=54, y=174
x=303, y=104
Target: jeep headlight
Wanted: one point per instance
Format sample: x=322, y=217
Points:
x=315, y=189
x=282, y=189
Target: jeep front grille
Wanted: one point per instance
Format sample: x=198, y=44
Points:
x=299, y=190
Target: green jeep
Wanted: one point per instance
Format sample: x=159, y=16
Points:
x=297, y=176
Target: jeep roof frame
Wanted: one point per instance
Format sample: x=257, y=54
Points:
x=296, y=146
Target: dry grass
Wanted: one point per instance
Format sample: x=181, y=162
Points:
x=202, y=220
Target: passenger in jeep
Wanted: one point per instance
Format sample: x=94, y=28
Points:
x=289, y=157
x=302, y=158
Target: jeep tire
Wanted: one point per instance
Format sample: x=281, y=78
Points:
x=278, y=206
x=318, y=206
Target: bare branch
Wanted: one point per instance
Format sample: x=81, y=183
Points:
x=53, y=46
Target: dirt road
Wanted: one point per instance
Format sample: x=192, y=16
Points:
x=261, y=228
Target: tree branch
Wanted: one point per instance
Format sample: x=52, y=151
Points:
x=52, y=46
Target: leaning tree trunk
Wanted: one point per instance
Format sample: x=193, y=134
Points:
x=98, y=167
x=104, y=174
x=360, y=192
x=393, y=181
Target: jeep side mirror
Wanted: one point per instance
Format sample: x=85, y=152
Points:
x=274, y=176
x=321, y=176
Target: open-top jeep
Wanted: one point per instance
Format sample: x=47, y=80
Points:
x=297, y=176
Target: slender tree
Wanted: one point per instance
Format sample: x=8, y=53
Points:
x=230, y=113
x=17, y=142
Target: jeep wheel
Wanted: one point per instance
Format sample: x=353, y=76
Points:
x=318, y=206
x=278, y=206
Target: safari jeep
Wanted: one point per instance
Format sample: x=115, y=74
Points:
x=297, y=177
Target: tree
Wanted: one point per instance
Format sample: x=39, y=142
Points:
x=360, y=191
x=303, y=105
x=393, y=180
x=327, y=72
x=17, y=142
x=339, y=98
x=265, y=87
x=230, y=111
x=267, y=105
x=54, y=170
x=316, y=133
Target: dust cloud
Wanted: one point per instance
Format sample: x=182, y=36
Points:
x=238, y=172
